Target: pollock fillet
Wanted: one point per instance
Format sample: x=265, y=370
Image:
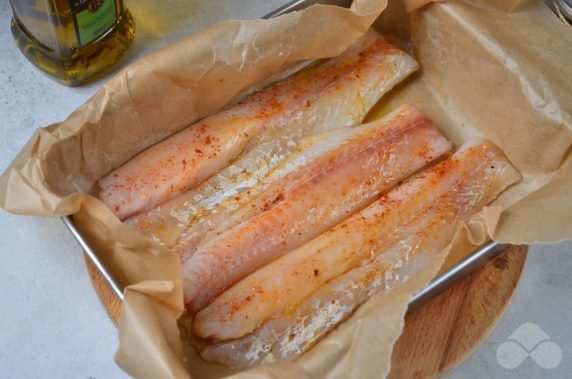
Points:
x=311, y=200
x=336, y=93
x=312, y=155
x=183, y=222
x=288, y=334
x=423, y=206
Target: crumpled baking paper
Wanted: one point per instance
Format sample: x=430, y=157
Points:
x=495, y=69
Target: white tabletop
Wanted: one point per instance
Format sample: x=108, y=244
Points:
x=51, y=321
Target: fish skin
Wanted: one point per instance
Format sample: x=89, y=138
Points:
x=325, y=192
x=448, y=192
x=337, y=93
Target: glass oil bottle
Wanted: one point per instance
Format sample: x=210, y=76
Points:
x=73, y=41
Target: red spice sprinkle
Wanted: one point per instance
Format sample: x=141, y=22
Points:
x=267, y=205
x=278, y=198
x=199, y=152
x=423, y=152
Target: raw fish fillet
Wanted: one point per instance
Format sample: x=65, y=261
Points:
x=310, y=200
x=418, y=213
x=288, y=334
x=312, y=155
x=181, y=223
x=337, y=93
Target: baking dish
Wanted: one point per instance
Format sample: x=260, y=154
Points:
x=444, y=280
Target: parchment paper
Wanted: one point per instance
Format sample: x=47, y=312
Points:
x=497, y=69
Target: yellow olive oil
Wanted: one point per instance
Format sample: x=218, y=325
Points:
x=74, y=41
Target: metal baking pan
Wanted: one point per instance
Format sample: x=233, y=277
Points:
x=461, y=269
x=443, y=281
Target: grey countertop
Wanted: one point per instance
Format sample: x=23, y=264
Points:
x=51, y=321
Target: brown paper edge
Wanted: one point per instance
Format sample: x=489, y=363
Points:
x=148, y=312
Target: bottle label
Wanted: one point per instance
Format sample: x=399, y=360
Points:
x=92, y=18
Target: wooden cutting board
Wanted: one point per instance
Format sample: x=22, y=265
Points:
x=439, y=334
